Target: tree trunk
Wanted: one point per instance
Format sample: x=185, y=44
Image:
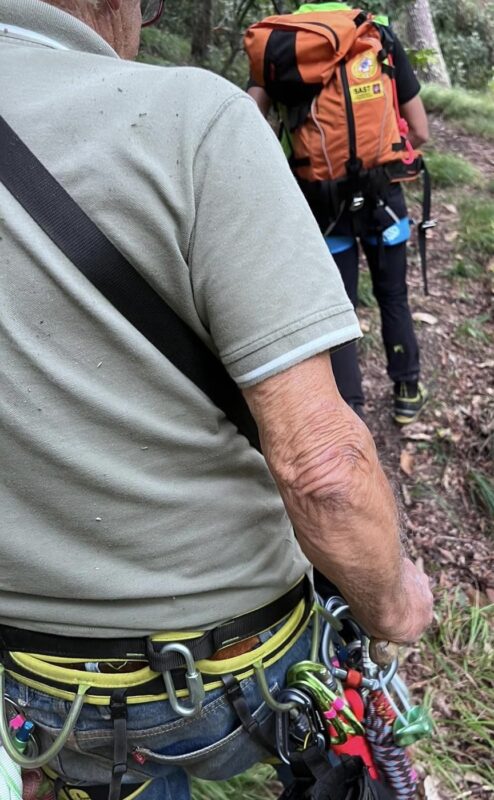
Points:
x=422, y=35
x=201, y=31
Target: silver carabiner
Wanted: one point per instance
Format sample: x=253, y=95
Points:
x=34, y=762
x=193, y=679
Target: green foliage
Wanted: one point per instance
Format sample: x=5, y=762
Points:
x=217, y=25
x=473, y=112
x=481, y=488
x=464, y=269
x=256, y=784
x=457, y=660
x=474, y=328
x=465, y=29
x=419, y=59
x=477, y=228
x=365, y=294
x=447, y=170
x=160, y=47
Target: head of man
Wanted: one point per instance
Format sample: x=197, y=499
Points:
x=116, y=21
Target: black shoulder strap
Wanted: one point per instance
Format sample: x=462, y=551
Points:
x=103, y=264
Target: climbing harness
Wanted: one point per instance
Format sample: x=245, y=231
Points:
x=179, y=667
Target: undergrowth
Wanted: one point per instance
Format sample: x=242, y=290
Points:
x=256, y=784
x=473, y=112
x=457, y=658
x=448, y=170
x=477, y=227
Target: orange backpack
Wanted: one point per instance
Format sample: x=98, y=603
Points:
x=331, y=75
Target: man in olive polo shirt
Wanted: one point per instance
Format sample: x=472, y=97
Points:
x=130, y=504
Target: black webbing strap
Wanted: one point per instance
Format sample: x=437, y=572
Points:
x=118, y=711
x=237, y=700
x=69, y=227
x=347, y=780
x=250, y=624
x=424, y=225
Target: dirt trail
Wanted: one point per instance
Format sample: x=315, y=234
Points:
x=447, y=139
x=430, y=462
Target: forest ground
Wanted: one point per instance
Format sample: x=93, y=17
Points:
x=441, y=468
x=439, y=463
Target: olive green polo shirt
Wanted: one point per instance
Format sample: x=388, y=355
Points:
x=128, y=502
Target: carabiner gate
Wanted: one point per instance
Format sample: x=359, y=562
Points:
x=193, y=679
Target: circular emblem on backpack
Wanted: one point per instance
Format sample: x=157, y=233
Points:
x=365, y=66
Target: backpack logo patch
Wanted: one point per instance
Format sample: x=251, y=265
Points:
x=367, y=91
x=365, y=67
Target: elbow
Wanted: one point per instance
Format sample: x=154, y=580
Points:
x=331, y=475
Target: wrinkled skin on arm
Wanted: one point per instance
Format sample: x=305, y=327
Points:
x=325, y=464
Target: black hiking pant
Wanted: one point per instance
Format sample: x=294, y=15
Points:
x=388, y=267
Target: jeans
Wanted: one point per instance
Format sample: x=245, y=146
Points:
x=213, y=745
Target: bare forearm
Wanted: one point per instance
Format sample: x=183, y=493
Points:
x=416, y=117
x=341, y=505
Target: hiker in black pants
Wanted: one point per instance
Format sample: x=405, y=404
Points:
x=388, y=268
x=382, y=230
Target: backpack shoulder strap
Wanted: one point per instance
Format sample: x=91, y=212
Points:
x=87, y=247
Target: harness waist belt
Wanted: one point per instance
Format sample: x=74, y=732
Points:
x=147, y=647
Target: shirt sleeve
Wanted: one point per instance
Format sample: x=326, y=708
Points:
x=407, y=84
x=264, y=282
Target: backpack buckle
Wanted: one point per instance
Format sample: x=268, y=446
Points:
x=357, y=203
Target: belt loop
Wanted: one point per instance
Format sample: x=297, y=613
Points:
x=118, y=711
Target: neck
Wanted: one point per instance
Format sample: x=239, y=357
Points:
x=113, y=26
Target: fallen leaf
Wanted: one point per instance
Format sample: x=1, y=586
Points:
x=423, y=316
x=432, y=789
x=472, y=777
x=442, y=706
x=451, y=236
x=447, y=554
x=450, y=207
x=407, y=498
x=417, y=437
x=447, y=435
x=364, y=326
x=406, y=462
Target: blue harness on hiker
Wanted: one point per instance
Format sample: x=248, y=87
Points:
x=397, y=233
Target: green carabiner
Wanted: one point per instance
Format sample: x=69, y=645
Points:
x=318, y=681
x=418, y=726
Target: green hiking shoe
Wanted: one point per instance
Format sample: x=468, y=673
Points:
x=410, y=398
